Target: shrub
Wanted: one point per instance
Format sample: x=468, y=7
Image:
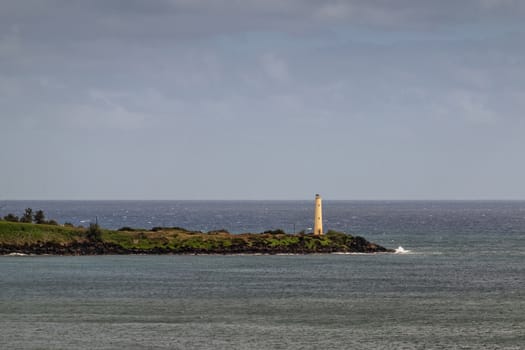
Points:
x=337, y=237
x=28, y=216
x=238, y=242
x=94, y=233
x=126, y=228
x=161, y=228
x=215, y=232
x=275, y=232
x=11, y=217
x=40, y=218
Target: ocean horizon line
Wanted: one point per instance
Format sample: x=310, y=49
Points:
x=266, y=200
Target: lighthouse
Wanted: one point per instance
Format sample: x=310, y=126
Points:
x=318, y=220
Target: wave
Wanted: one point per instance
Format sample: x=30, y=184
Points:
x=401, y=250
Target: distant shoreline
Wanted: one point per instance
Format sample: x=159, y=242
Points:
x=268, y=200
x=42, y=239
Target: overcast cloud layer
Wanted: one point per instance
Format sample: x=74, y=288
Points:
x=202, y=99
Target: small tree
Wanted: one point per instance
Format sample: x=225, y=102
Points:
x=94, y=233
x=40, y=218
x=11, y=217
x=28, y=216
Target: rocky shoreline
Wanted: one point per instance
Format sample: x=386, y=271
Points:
x=358, y=245
x=20, y=238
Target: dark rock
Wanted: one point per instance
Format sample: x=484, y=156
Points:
x=357, y=245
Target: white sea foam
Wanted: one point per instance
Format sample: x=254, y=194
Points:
x=350, y=253
x=401, y=250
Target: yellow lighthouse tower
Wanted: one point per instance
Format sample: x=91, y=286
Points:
x=318, y=221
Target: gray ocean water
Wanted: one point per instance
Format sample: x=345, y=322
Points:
x=461, y=287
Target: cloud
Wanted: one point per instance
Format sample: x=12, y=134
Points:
x=124, y=64
x=472, y=107
x=10, y=88
x=100, y=117
x=276, y=68
x=10, y=43
x=155, y=21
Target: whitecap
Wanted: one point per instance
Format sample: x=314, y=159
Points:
x=401, y=250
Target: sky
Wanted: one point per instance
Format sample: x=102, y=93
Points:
x=262, y=99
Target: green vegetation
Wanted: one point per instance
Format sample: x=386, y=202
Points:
x=39, y=217
x=18, y=233
x=29, y=217
x=11, y=218
x=94, y=233
x=25, y=236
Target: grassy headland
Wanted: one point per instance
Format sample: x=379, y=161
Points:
x=30, y=238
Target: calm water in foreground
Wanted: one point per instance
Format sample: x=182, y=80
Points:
x=462, y=287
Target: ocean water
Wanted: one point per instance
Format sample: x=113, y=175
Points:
x=461, y=286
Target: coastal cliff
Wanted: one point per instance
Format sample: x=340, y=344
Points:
x=27, y=238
